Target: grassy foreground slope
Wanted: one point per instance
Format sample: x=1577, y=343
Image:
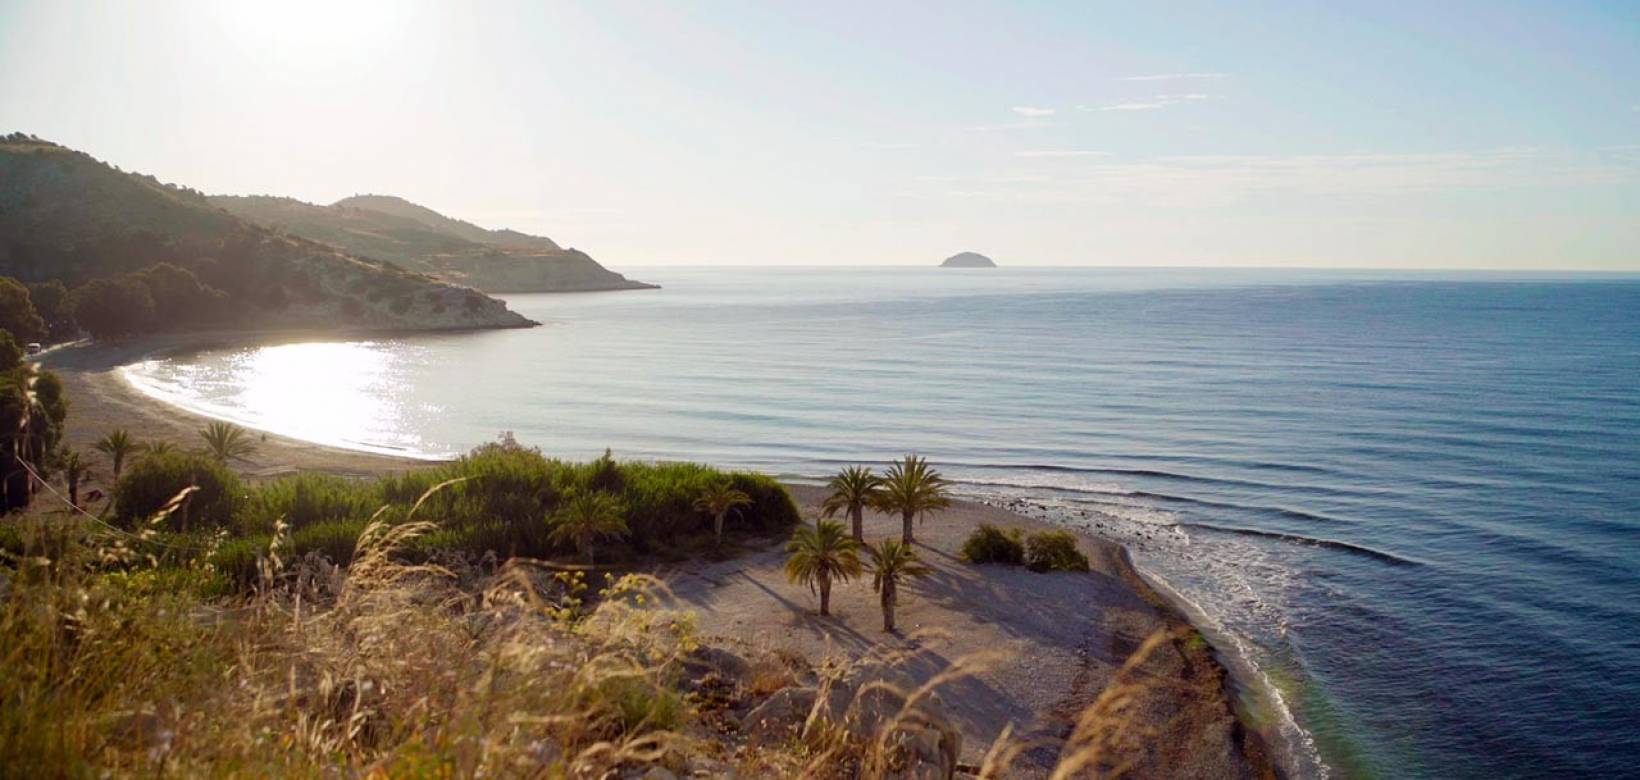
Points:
x=420, y=239
x=68, y=217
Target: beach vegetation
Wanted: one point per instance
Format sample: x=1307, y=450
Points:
x=892, y=564
x=821, y=555
x=152, y=482
x=990, y=544
x=117, y=445
x=304, y=500
x=1054, y=551
x=912, y=490
x=852, y=490
x=225, y=441
x=719, y=500
x=585, y=517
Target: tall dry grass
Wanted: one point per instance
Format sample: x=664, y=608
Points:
x=118, y=665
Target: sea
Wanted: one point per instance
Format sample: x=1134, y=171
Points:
x=1405, y=506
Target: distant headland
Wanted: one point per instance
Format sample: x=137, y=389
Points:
x=968, y=260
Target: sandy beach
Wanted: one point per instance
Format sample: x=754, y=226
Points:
x=1064, y=634
x=100, y=400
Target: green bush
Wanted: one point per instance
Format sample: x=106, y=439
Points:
x=499, y=502
x=307, y=499
x=990, y=544
x=155, y=479
x=1054, y=551
x=507, y=492
x=335, y=540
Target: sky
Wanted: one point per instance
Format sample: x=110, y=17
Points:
x=1329, y=134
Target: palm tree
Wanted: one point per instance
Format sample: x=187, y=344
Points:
x=820, y=555
x=586, y=517
x=75, y=471
x=720, y=500
x=892, y=563
x=913, y=490
x=116, y=444
x=157, y=448
x=226, y=441
x=853, y=489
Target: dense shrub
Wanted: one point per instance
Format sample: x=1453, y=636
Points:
x=990, y=544
x=506, y=493
x=1054, y=551
x=307, y=499
x=335, y=540
x=155, y=479
x=498, y=501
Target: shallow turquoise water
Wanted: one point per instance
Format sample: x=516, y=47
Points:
x=1414, y=499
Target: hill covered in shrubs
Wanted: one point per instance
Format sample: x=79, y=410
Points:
x=134, y=255
x=420, y=239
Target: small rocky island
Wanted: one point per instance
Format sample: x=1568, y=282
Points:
x=968, y=260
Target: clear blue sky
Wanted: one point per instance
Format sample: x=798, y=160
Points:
x=1452, y=134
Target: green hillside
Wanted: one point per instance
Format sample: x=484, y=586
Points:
x=420, y=239
x=68, y=217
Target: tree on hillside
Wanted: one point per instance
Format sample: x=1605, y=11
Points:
x=56, y=309
x=584, y=518
x=117, y=445
x=179, y=297
x=852, y=490
x=114, y=307
x=911, y=489
x=11, y=355
x=892, y=563
x=820, y=555
x=720, y=500
x=17, y=312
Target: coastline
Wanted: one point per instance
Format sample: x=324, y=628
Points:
x=1062, y=656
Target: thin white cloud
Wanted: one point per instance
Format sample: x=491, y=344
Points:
x=1130, y=107
x=1175, y=76
x=894, y=147
x=1151, y=104
x=1033, y=111
x=1060, y=153
x=1027, y=124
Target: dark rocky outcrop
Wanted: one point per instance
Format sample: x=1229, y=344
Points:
x=968, y=260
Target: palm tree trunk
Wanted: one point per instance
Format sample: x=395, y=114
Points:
x=855, y=513
x=905, y=536
x=74, y=492
x=888, y=606
x=825, y=595
x=586, y=552
x=717, y=527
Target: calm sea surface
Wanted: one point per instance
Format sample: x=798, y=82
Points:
x=1411, y=502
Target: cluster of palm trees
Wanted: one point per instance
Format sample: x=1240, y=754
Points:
x=223, y=442
x=827, y=553
x=909, y=488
